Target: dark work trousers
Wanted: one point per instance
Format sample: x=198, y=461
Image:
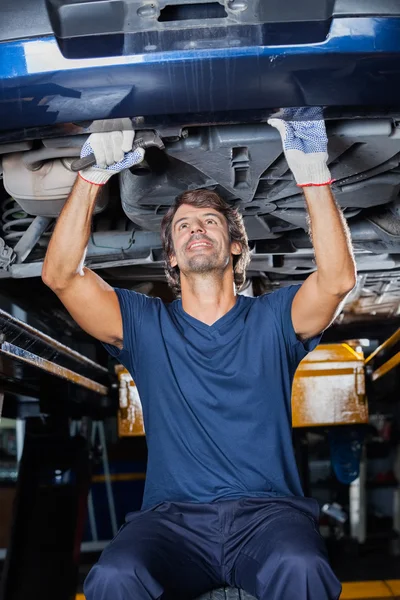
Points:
x=271, y=548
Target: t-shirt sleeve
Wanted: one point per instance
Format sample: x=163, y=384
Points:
x=133, y=306
x=280, y=303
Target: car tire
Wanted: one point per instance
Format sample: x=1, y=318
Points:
x=226, y=593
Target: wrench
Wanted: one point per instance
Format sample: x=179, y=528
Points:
x=145, y=140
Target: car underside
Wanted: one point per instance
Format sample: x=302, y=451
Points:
x=242, y=162
x=210, y=119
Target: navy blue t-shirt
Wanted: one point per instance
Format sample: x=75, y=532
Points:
x=216, y=398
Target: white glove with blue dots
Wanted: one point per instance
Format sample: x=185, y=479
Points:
x=305, y=144
x=113, y=153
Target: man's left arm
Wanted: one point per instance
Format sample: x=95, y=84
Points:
x=320, y=297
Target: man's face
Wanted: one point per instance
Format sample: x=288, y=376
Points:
x=201, y=240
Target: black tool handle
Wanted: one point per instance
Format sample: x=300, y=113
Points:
x=83, y=163
x=146, y=140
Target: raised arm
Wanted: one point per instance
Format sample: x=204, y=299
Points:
x=91, y=302
x=320, y=297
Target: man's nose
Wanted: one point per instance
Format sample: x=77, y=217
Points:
x=197, y=227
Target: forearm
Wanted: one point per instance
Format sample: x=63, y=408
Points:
x=330, y=235
x=71, y=235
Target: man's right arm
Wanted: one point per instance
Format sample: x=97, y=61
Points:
x=91, y=302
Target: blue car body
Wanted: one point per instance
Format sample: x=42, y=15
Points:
x=354, y=69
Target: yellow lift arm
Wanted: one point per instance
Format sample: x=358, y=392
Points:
x=389, y=364
x=328, y=389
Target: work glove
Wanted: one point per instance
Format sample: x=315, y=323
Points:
x=113, y=153
x=305, y=145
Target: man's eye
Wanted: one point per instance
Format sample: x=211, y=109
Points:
x=183, y=225
x=210, y=221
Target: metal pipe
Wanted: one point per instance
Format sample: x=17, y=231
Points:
x=130, y=242
x=30, y=238
x=386, y=344
x=12, y=328
x=34, y=159
x=249, y=134
x=386, y=367
x=362, y=231
x=361, y=128
x=53, y=368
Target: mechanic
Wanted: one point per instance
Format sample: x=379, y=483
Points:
x=223, y=503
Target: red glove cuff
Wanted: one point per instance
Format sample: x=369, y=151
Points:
x=315, y=184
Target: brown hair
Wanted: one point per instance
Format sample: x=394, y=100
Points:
x=237, y=233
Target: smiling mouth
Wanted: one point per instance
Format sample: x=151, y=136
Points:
x=199, y=245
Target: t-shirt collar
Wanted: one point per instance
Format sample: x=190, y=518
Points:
x=224, y=320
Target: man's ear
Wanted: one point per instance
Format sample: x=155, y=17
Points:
x=172, y=260
x=236, y=248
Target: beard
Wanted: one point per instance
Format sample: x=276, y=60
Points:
x=203, y=263
x=206, y=263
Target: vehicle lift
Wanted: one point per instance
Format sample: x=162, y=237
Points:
x=52, y=388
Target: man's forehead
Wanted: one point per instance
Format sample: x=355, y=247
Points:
x=186, y=211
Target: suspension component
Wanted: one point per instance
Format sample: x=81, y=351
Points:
x=15, y=221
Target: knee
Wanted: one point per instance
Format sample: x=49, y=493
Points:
x=310, y=570
x=112, y=573
x=120, y=580
x=293, y=566
x=305, y=562
x=307, y=570
x=102, y=580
